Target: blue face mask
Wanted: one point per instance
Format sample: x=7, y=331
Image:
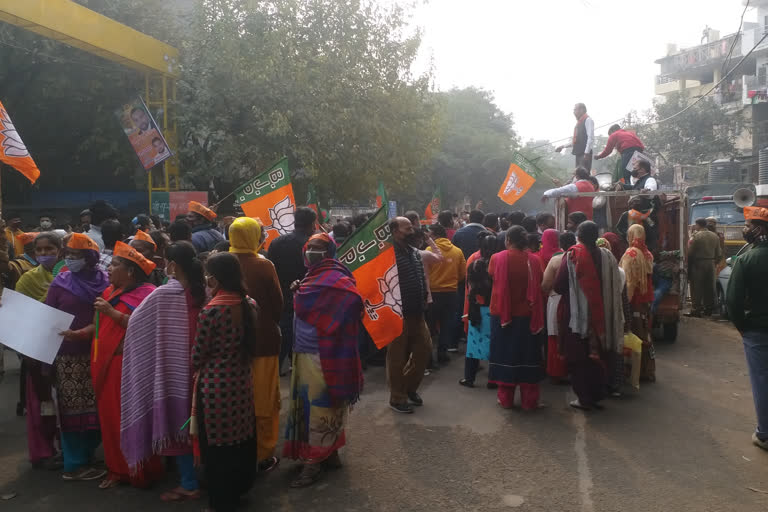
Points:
x=75, y=265
x=48, y=262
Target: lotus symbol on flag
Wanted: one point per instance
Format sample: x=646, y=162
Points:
x=513, y=184
x=389, y=285
x=282, y=216
x=11, y=142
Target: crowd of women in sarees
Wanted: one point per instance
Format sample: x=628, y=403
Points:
x=560, y=311
x=188, y=371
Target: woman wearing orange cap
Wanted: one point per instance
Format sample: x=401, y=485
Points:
x=128, y=274
x=24, y=262
x=74, y=291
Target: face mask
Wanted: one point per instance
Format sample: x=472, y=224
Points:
x=312, y=257
x=46, y=224
x=75, y=265
x=48, y=262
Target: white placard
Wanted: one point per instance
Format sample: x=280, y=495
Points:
x=31, y=327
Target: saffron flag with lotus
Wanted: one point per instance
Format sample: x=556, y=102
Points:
x=433, y=208
x=269, y=198
x=12, y=149
x=518, y=180
x=370, y=255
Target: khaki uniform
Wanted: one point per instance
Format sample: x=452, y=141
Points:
x=703, y=255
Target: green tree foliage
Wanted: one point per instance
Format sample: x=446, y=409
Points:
x=326, y=82
x=701, y=134
x=62, y=101
x=476, y=148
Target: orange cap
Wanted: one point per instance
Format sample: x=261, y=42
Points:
x=141, y=235
x=26, y=238
x=82, y=242
x=198, y=208
x=756, y=213
x=127, y=252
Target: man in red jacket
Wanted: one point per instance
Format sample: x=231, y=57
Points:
x=626, y=143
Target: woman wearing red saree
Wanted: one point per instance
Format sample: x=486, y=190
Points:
x=128, y=274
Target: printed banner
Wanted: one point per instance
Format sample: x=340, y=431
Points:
x=518, y=180
x=269, y=197
x=143, y=134
x=370, y=255
x=12, y=149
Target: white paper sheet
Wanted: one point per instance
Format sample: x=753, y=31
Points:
x=30, y=327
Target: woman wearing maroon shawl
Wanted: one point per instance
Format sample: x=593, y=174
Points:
x=74, y=292
x=517, y=319
x=327, y=377
x=591, y=320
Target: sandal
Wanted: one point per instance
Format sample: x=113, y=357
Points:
x=108, y=483
x=268, y=465
x=84, y=475
x=180, y=494
x=308, y=476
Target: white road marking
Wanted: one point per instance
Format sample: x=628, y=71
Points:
x=582, y=463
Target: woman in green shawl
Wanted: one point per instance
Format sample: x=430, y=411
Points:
x=41, y=417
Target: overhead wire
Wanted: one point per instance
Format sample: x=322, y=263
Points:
x=735, y=39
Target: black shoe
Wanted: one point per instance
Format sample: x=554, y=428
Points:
x=415, y=399
x=442, y=357
x=19, y=409
x=401, y=408
x=492, y=385
x=466, y=383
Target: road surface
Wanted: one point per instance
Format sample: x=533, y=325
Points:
x=680, y=444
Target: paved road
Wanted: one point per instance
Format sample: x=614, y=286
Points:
x=681, y=444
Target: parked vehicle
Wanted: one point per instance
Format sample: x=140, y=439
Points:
x=724, y=277
x=673, y=235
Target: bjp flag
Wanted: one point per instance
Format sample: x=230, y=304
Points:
x=269, y=197
x=12, y=149
x=381, y=196
x=518, y=180
x=433, y=208
x=370, y=256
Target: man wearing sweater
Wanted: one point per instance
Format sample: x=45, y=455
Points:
x=444, y=279
x=626, y=143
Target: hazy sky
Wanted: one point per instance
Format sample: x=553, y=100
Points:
x=541, y=57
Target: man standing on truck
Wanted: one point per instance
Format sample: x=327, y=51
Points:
x=583, y=138
x=748, y=290
x=703, y=255
x=626, y=143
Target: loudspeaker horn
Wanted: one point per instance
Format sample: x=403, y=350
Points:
x=744, y=197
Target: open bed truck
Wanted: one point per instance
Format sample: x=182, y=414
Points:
x=673, y=235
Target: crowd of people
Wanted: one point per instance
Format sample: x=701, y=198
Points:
x=181, y=332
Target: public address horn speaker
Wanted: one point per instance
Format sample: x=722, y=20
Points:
x=744, y=197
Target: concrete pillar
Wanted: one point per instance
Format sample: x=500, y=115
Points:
x=681, y=85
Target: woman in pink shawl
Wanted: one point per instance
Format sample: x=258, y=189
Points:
x=517, y=321
x=550, y=245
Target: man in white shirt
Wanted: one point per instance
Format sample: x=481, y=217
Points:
x=641, y=176
x=583, y=138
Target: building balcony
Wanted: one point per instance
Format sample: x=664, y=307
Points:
x=699, y=62
x=755, y=90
